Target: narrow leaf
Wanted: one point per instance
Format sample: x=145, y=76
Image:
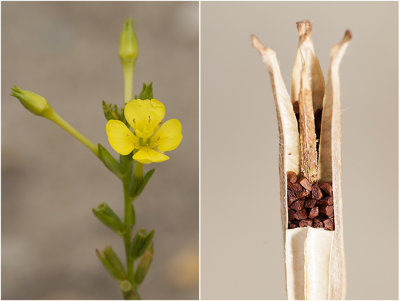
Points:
x=110, y=162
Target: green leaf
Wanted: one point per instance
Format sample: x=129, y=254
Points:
x=144, y=182
x=110, y=162
x=146, y=93
x=144, y=265
x=109, y=218
x=112, y=263
x=140, y=243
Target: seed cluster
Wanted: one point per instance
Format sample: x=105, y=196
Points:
x=309, y=205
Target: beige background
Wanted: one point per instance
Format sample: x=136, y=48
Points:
x=241, y=239
x=68, y=52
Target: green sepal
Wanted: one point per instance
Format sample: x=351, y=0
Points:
x=140, y=243
x=112, y=112
x=110, y=162
x=139, y=184
x=112, y=263
x=146, y=93
x=144, y=265
x=109, y=218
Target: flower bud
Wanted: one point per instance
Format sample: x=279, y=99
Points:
x=112, y=263
x=109, y=218
x=128, y=48
x=35, y=103
x=140, y=243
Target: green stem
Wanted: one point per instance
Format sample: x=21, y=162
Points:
x=128, y=69
x=128, y=223
x=53, y=116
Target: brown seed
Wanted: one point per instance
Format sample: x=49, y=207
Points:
x=327, y=210
x=303, y=193
x=291, y=214
x=328, y=224
x=305, y=183
x=306, y=223
x=291, y=196
x=316, y=192
x=326, y=187
x=295, y=187
x=300, y=215
x=291, y=177
x=292, y=226
x=317, y=223
x=309, y=203
x=328, y=200
x=313, y=212
x=298, y=205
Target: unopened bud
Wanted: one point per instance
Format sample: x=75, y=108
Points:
x=35, y=103
x=128, y=48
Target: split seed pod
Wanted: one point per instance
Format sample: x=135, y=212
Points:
x=314, y=256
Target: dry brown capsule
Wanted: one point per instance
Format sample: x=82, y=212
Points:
x=309, y=147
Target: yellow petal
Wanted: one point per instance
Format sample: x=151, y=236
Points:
x=120, y=137
x=168, y=136
x=144, y=116
x=146, y=155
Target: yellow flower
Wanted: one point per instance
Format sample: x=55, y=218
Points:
x=149, y=138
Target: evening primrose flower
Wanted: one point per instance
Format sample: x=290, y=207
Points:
x=150, y=139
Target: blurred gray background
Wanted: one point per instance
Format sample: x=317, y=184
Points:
x=68, y=53
x=241, y=235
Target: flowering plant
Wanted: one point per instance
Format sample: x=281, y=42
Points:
x=136, y=132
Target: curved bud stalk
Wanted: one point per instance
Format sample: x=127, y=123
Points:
x=314, y=253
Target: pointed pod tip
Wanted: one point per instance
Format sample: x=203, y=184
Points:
x=304, y=28
x=347, y=36
x=256, y=43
